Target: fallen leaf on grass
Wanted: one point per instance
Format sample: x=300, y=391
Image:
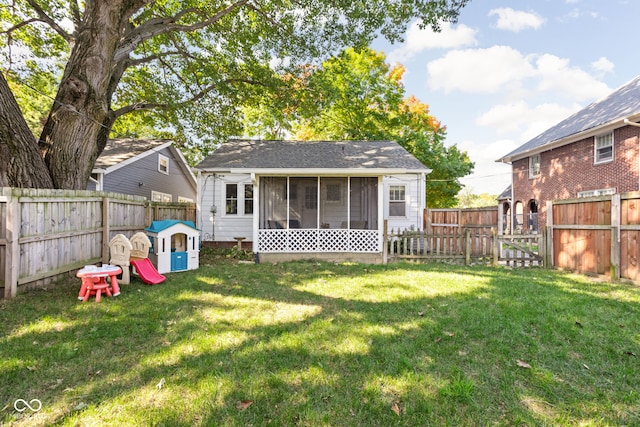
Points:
x=438, y=339
x=578, y=324
x=421, y=313
x=160, y=384
x=244, y=404
x=523, y=364
x=395, y=408
x=629, y=353
x=449, y=334
x=585, y=366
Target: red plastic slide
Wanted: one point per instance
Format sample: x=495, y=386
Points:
x=147, y=271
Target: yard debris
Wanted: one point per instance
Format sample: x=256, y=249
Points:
x=523, y=364
x=578, y=324
x=629, y=353
x=421, y=313
x=585, y=366
x=395, y=408
x=160, y=384
x=244, y=404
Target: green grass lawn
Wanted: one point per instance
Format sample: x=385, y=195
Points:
x=315, y=344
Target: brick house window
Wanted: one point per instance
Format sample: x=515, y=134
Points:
x=534, y=166
x=603, y=148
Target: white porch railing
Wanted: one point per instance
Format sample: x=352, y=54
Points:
x=319, y=240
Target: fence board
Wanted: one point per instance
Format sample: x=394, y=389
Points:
x=47, y=234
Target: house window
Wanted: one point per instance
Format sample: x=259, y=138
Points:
x=604, y=148
x=311, y=197
x=163, y=164
x=600, y=192
x=157, y=196
x=534, y=166
x=231, y=199
x=334, y=193
x=397, y=202
x=182, y=199
x=248, y=199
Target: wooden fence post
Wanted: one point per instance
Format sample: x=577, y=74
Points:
x=105, y=230
x=467, y=246
x=12, y=261
x=385, y=236
x=495, y=247
x=615, y=237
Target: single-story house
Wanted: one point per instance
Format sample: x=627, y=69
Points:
x=309, y=199
x=151, y=168
x=593, y=152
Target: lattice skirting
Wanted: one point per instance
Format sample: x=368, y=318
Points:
x=319, y=240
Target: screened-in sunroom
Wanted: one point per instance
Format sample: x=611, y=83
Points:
x=326, y=200
x=319, y=214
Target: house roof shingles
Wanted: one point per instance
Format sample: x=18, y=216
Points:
x=262, y=154
x=623, y=102
x=119, y=150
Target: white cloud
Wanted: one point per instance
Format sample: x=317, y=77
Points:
x=556, y=75
x=516, y=20
x=479, y=70
x=603, y=65
x=418, y=40
x=504, y=70
x=522, y=120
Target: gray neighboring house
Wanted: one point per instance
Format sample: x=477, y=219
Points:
x=154, y=169
x=309, y=199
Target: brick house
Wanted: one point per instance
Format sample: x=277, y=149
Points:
x=593, y=152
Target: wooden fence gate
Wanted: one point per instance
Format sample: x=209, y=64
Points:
x=464, y=246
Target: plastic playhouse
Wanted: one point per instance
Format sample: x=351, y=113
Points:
x=134, y=253
x=175, y=245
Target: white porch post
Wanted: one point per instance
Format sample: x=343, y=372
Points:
x=381, y=202
x=256, y=212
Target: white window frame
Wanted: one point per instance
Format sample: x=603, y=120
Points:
x=392, y=201
x=157, y=196
x=163, y=164
x=534, y=166
x=601, y=142
x=595, y=193
x=240, y=199
x=245, y=199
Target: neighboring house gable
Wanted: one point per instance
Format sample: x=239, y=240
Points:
x=150, y=168
x=593, y=152
x=300, y=191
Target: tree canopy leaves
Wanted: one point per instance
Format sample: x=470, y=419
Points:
x=190, y=63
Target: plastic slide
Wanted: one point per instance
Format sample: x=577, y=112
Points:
x=147, y=271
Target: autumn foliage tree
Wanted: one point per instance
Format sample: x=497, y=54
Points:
x=356, y=95
x=190, y=63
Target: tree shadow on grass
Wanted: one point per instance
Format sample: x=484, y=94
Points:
x=298, y=351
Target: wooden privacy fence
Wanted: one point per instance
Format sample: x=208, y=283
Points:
x=45, y=234
x=445, y=220
x=597, y=235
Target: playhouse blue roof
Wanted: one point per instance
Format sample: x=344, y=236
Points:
x=157, y=226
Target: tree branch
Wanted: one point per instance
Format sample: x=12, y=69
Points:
x=49, y=21
x=156, y=26
x=163, y=106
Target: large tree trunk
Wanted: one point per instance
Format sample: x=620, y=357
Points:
x=21, y=164
x=80, y=120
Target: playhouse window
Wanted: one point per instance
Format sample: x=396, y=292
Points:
x=248, y=199
x=397, y=203
x=163, y=164
x=231, y=201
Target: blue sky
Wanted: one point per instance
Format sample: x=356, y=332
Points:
x=508, y=70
